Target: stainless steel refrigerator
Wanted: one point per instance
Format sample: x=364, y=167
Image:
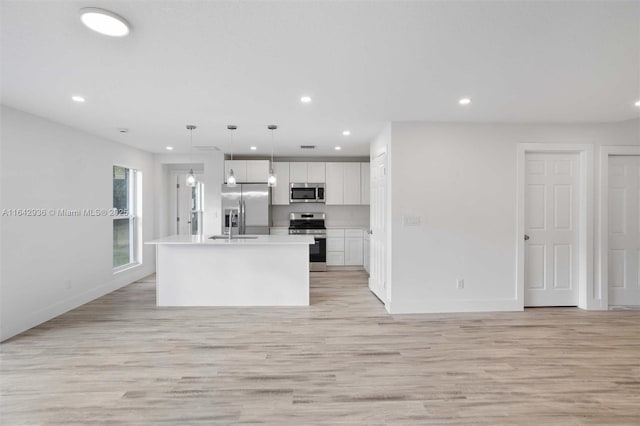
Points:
x=249, y=203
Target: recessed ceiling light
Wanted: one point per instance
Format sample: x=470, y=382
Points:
x=637, y=103
x=169, y=148
x=305, y=99
x=346, y=133
x=253, y=148
x=77, y=98
x=464, y=101
x=104, y=22
x=337, y=148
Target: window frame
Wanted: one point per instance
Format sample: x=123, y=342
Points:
x=134, y=210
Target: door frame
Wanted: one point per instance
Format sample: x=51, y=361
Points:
x=588, y=298
x=603, y=223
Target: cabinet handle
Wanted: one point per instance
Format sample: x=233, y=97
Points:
x=526, y=237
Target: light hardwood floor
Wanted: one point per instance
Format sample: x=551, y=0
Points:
x=344, y=360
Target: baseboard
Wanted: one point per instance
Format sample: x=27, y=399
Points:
x=12, y=328
x=433, y=306
x=344, y=268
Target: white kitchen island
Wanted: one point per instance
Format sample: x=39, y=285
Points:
x=269, y=270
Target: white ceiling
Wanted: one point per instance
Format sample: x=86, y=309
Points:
x=213, y=63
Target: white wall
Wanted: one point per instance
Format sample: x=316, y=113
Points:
x=460, y=179
x=212, y=166
x=50, y=265
x=336, y=216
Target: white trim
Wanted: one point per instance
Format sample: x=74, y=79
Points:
x=589, y=297
x=603, y=224
x=433, y=306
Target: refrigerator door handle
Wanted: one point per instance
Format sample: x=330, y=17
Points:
x=243, y=217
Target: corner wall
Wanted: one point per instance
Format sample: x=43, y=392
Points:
x=460, y=181
x=50, y=265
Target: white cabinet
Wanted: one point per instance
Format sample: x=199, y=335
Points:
x=239, y=170
x=334, y=192
x=343, y=183
x=366, y=247
x=247, y=171
x=280, y=194
x=345, y=247
x=316, y=172
x=353, y=244
x=365, y=179
x=351, y=183
x=303, y=172
x=335, y=247
x=257, y=171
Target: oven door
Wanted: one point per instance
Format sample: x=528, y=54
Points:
x=318, y=251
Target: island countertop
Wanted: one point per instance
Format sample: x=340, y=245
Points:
x=259, y=240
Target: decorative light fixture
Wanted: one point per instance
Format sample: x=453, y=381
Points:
x=272, y=180
x=77, y=98
x=191, y=178
x=305, y=99
x=231, y=179
x=465, y=101
x=104, y=22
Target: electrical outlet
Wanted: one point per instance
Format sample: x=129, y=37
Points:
x=460, y=283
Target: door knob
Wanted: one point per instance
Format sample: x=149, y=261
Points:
x=526, y=237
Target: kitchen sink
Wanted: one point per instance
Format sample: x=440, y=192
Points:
x=234, y=237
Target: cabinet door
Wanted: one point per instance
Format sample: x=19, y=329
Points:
x=280, y=194
x=334, y=193
x=257, y=171
x=315, y=172
x=239, y=170
x=298, y=172
x=365, y=178
x=335, y=258
x=351, y=183
x=353, y=251
x=335, y=244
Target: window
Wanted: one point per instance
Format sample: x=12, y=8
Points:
x=126, y=218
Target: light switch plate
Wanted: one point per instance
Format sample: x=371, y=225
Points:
x=411, y=220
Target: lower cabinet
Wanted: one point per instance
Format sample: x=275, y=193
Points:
x=366, y=251
x=345, y=247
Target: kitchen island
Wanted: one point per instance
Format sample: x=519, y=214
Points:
x=262, y=270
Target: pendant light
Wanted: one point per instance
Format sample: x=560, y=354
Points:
x=191, y=178
x=231, y=179
x=272, y=180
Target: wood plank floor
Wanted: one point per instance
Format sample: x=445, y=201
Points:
x=121, y=360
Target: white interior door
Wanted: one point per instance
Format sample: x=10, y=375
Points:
x=624, y=230
x=378, y=239
x=188, y=206
x=551, y=224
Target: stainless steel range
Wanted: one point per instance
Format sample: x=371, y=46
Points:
x=312, y=224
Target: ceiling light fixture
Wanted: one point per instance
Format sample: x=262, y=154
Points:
x=191, y=178
x=305, y=99
x=77, y=98
x=253, y=148
x=465, y=101
x=231, y=179
x=272, y=180
x=346, y=133
x=637, y=103
x=338, y=148
x=169, y=148
x=104, y=22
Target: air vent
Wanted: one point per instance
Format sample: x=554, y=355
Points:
x=307, y=146
x=206, y=148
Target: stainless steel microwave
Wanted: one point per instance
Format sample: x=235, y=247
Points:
x=307, y=193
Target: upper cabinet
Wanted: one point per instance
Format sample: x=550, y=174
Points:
x=365, y=185
x=302, y=172
x=280, y=193
x=344, y=183
x=248, y=171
